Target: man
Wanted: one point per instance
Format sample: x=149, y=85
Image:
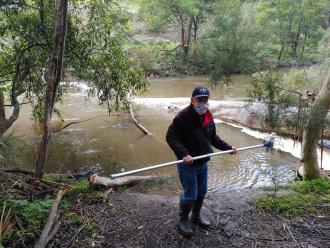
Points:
x=192, y=133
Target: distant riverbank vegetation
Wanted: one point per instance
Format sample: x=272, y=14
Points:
x=222, y=38
x=219, y=38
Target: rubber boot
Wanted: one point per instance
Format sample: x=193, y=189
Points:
x=184, y=224
x=196, y=217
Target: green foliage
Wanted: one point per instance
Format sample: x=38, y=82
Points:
x=268, y=88
x=57, y=178
x=234, y=39
x=145, y=58
x=295, y=79
x=32, y=213
x=105, y=64
x=296, y=26
x=237, y=36
x=200, y=59
x=80, y=186
x=72, y=218
x=324, y=47
x=5, y=223
x=305, y=199
x=159, y=13
x=152, y=56
x=93, y=52
x=319, y=186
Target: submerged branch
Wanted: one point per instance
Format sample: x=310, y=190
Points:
x=139, y=126
x=75, y=122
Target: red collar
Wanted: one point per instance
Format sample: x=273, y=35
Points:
x=207, y=118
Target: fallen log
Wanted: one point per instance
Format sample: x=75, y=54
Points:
x=52, y=224
x=107, y=182
x=17, y=170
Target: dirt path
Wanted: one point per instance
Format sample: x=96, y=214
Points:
x=138, y=220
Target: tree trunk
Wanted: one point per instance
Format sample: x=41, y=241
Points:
x=182, y=36
x=54, y=77
x=2, y=114
x=195, y=28
x=5, y=124
x=303, y=48
x=313, y=128
x=186, y=36
x=296, y=42
x=281, y=52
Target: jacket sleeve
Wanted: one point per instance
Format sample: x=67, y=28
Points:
x=173, y=138
x=219, y=143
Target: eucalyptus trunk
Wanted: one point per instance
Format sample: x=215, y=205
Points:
x=312, y=129
x=5, y=123
x=186, y=36
x=281, y=52
x=54, y=78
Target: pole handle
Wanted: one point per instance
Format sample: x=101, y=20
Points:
x=268, y=144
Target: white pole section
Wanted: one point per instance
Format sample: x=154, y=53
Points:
x=113, y=176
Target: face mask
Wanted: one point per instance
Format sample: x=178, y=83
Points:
x=201, y=108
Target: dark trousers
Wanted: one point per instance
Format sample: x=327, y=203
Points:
x=193, y=179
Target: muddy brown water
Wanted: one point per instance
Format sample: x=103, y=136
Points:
x=116, y=145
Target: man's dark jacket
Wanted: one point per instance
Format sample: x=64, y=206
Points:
x=193, y=134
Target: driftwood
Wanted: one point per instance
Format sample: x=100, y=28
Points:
x=17, y=170
x=106, y=182
x=139, y=126
x=52, y=224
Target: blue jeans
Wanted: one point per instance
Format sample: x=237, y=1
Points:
x=193, y=179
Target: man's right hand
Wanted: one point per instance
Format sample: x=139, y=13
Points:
x=187, y=160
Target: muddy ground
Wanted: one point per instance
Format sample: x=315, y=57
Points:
x=127, y=219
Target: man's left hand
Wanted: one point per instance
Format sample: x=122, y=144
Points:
x=234, y=150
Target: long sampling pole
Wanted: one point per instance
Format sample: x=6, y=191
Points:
x=268, y=144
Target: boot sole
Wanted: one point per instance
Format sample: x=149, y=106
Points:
x=201, y=225
x=187, y=235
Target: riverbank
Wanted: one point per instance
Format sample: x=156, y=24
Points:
x=136, y=220
x=127, y=218
x=245, y=113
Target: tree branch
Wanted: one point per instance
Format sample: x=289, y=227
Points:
x=52, y=224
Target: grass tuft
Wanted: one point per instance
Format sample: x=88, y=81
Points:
x=308, y=197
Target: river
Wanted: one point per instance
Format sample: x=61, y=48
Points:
x=115, y=144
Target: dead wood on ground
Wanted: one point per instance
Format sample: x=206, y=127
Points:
x=52, y=224
x=106, y=182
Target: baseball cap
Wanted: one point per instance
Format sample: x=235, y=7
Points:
x=200, y=91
